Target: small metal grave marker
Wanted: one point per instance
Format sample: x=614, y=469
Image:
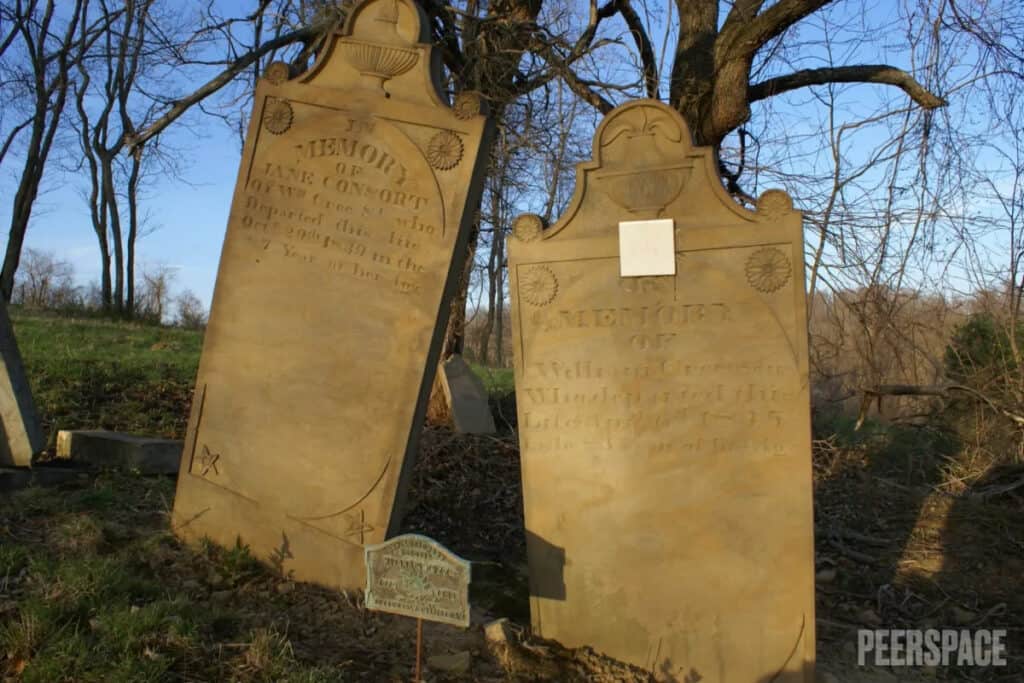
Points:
x=417, y=577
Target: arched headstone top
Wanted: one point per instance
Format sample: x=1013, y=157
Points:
x=644, y=165
x=381, y=49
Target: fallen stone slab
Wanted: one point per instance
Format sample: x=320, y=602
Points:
x=113, y=450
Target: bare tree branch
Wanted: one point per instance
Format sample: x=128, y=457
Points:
x=648, y=60
x=940, y=390
x=862, y=73
x=223, y=78
x=774, y=21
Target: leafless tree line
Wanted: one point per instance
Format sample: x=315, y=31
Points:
x=46, y=282
x=909, y=177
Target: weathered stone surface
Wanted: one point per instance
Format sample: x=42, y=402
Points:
x=664, y=420
x=466, y=397
x=328, y=313
x=418, y=577
x=22, y=435
x=113, y=450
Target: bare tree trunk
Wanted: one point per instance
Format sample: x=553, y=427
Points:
x=50, y=65
x=133, y=229
x=455, y=335
x=493, y=274
x=499, y=309
x=110, y=202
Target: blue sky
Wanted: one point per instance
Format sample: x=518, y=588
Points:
x=189, y=212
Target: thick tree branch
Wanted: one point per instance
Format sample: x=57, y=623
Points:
x=693, y=64
x=575, y=83
x=941, y=390
x=741, y=14
x=774, y=21
x=589, y=95
x=862, y=73
x=223, y=78
x=648, y=60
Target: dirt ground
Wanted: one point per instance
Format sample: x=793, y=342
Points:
x=93, y=587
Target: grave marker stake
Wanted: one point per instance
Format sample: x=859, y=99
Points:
x=419, y=648
x=416, y=576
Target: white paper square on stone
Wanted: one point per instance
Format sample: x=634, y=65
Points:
x=647, y=248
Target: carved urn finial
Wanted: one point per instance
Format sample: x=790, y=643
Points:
x=643, y=179
x=389, y=54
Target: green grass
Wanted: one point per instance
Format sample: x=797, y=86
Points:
x=105, y=593
x=126, y=377
x=94, y=374
x=498, y=381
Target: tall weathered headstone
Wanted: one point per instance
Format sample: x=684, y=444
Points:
x=22, y=435
x=664, y=419
x=345, y=240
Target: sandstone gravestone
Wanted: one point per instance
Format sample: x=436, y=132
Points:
x=416, y=576
x=346, y=234
x=22, y=435
x=664, y=420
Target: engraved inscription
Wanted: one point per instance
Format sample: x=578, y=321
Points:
x=343, y=204
x=661, y=385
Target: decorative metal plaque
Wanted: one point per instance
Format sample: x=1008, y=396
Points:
x=418, y=577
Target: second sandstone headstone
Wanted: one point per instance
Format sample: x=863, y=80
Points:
x=345, y=240
x=664, y=419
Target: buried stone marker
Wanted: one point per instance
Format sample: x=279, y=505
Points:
x=665, y=419
x=334, y=282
